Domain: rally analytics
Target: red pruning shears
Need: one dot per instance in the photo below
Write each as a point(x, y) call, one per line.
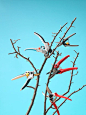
point(60, 71)
point(51, 95)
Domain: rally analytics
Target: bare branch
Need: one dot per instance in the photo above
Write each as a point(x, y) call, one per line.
point(43, 65)
point(75, 51)
point(57, 34)
point(37, 84)
point(34, 95)
point(48, 83)
point(69, 83)
point(11, 53)
point(71, 75)
point(69, 36)
point(69, 96)
point(59, 44)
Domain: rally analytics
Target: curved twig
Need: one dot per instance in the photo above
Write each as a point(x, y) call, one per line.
point(31, 87)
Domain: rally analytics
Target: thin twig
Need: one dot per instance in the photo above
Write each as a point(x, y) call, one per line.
point(31, 87)
point(69, 36)
point(75, 74)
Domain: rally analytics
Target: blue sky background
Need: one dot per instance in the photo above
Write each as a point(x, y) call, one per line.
point(19, 19)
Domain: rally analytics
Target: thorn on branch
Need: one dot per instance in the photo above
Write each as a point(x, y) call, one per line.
point(76, 73)
point(53, 33)
point(73, 26)
point(74, 57)
point(71, 61)
point(16, 56)
point(18, 49)
point(54, 56)
point(60, 37)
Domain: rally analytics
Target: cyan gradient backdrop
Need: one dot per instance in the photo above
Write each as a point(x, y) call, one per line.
point(19, 19)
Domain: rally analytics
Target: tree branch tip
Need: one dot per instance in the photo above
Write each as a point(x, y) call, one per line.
point(28, 58)
point(71, 61)
point(75, 52)
point(18, 47)
point(53, 33)
point(60, 37)
point(54, 56)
